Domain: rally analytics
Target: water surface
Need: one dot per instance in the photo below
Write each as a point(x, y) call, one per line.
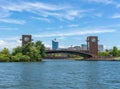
point(60, 74)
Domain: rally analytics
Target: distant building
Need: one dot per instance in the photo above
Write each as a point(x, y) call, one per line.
point(71, 48)
point(77, 48)
point(84, 47)
point(55, 44)
point(100, 48)
point(48, 48)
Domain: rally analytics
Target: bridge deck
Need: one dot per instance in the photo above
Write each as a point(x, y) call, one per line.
point(81, 52)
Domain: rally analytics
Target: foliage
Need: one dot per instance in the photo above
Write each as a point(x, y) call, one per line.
point(108, 53)
point(14, 59)
point(104, 54)
point(41, 47)
point(115, 51)
point(20, 57)
point(4, 58)
point(6, 52)
point(29, 52)
point(17, 50)
point(5, 55)
point(24, 58)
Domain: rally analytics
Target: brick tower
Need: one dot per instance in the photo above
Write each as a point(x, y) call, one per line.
point(92, 45)
point(26, 39)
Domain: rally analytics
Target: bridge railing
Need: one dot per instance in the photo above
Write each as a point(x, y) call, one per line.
point(69, 50)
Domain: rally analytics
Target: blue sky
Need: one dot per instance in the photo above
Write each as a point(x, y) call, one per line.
point(70, 21)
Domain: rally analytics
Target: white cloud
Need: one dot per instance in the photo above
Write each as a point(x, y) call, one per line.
point(66, 14)
point(72, 14)
point(11, 39)
point(4, 13)
point(60, 12)
point(115, 3)
point(9, 45)
point(61, 38)
point(1, 42)
point(43, 6)
point(47, 45)
point(73, 25)
point(15, 21)
point(116, 16)
point(110, 26)
point(31, 6)
point(74, 32)
point(41, 18)
point(102, 1)
point(50, 46)
point(98, 15)
point(111, 47)
point(107, 47)
point(8, 29)
point(118, 5)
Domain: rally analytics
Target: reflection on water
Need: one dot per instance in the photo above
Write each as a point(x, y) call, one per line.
point(93, 76)
point(60, 74)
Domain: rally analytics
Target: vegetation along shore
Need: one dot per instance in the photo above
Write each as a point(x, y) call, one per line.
point(31, 52)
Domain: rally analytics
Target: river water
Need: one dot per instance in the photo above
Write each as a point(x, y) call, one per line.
point(60, 74)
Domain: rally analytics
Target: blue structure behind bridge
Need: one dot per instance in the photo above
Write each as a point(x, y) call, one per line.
point(55, 44)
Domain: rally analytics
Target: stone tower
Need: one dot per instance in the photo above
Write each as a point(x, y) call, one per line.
point(92, 45)
point(26, 39)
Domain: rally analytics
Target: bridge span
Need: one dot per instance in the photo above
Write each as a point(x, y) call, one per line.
point(84, 54)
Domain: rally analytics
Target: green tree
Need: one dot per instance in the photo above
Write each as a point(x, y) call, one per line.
point(115, 51)
point(17, 50)
point(42, 50)
point(29, 52)
point(6, 52)
point(101, 54)
point(24, 58)
point(104, 54)
point(4, 58)
point(41, 47)
point(27, 48)
point(119, 53)
point(5, 55)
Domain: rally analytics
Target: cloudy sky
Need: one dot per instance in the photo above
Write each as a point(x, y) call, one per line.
point(70, 21)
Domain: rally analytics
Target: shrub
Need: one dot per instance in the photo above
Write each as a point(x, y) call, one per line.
point(24, 58)
point(15, 59)
point(4, 58)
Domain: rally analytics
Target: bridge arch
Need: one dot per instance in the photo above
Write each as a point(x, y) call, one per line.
point(81, 53)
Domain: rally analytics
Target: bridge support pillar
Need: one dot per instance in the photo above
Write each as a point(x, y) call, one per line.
point(92, 45)
point(25, 39)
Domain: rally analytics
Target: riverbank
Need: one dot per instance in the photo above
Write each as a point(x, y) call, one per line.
point(101, 59)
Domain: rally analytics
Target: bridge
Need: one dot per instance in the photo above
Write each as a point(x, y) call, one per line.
point(84, 54)
point(91, 52)
point(92, 47)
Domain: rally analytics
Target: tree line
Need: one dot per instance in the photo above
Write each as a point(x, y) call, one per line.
point(110, 53)
point(33, 51)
